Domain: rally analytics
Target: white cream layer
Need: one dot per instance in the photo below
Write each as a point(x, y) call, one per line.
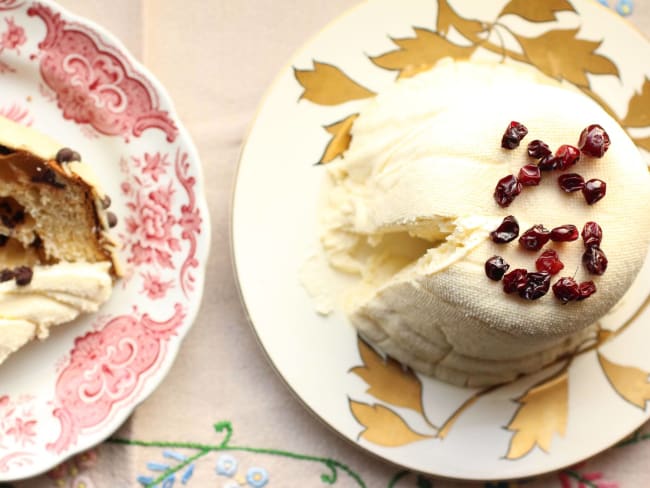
point(57, 294)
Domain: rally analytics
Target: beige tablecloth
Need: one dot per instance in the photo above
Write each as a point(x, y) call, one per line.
point(216, 58)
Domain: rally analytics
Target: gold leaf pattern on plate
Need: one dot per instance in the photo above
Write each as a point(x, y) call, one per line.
point(536, 11)
point(638, 111)
point(572, 62)
point(419, 53)
point(383, 426)
point(340, 138)
point(643, 142)
point(328, 85)
point(629, 382)
point(388, 381)
point(542, 412)
point(447, 17)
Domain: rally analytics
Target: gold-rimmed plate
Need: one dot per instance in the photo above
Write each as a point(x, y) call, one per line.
point(540, 423)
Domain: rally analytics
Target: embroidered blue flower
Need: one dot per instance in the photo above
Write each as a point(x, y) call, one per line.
point(257, 477)
point(604, 2)
point(226, 465)
point(624, 7)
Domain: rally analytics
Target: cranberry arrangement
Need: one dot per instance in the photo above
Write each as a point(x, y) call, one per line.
point(593, 142)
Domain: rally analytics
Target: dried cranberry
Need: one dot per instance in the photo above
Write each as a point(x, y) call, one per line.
point(586, 289)
point(566, 156)
point(507, 231)
point(6, 275)
point(513, 135)
point(594, 141)
point(530, 175)
point(566, 289)
point(515, 280)
point(564, 233)
point(595, 260)
point(548, 163)
point(506, 190)
point(550, 262)
point(594, 190)
point(23, 275)
point(496, 267)
point(537, 285)
point(571, 182)
point(538, 149)
point(535, 238)
point(592, 234)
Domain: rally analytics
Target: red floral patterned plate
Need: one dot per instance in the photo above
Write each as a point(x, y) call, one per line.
point(71, 79)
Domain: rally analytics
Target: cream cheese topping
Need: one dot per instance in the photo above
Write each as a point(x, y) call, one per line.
point(409, 209)
point(57, 294)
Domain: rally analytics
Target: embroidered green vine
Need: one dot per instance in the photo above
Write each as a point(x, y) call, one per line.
point(635, 438)
point(576, 476)
point(203, 449)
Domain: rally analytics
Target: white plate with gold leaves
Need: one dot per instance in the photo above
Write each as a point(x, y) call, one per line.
point(537, 424)
point(72, 80)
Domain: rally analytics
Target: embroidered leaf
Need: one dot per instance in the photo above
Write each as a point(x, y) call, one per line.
point(561, 55)
point(536, 11)
point(388, 381)
point(638, 110)
point(383, 426)
point(419, 53)
point(328, 85)
point(542, 413)
point(643, 142)
point(340, 138)
point(629, 382)
point(447, 17)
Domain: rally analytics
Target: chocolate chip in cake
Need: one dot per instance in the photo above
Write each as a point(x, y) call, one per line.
point(106, 202)
point(6, 275)
point(112, 219)
point(23, 275)
point(66, 155)
point(4, 150)
point(18, 217)
point(3, 240)
point(37, 243)
point(47, 176)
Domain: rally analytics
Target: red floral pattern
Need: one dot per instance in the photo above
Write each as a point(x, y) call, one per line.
point(10, 4)
point(95, 85)
point(105, 368)
point(17, 422)
point(109, 367)
point(13, 37)
point(156, 225)
point(17, 113)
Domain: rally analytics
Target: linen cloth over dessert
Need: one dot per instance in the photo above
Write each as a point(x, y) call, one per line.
point(409, 208)
point(57, 259)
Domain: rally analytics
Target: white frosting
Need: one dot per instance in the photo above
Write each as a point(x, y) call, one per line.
point(57, 294)
point(410, 208)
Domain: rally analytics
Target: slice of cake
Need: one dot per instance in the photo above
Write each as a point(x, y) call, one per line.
point(57, 259)
point(412, 205)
